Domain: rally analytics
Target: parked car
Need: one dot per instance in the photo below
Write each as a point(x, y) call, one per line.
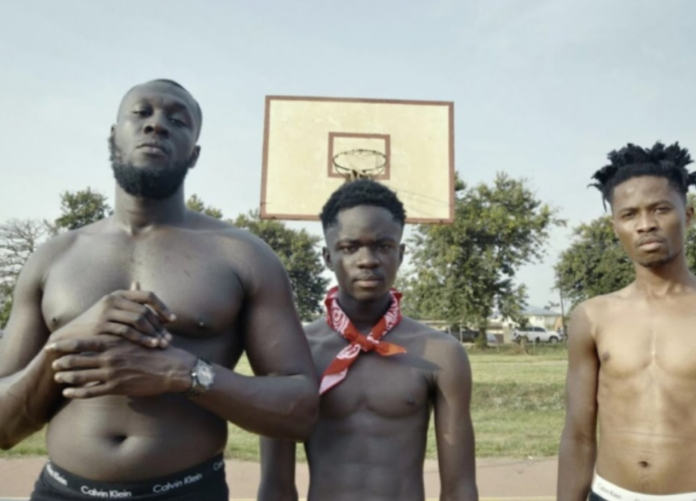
point(536, 334)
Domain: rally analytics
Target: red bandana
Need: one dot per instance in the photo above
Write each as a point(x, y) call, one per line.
point(339, 321)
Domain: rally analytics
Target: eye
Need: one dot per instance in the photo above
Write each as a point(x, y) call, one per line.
point(349, 249)
point(179, 123)
point(142, 112)
point(662, 209)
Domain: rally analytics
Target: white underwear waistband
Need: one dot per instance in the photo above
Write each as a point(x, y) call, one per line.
point(613, 492)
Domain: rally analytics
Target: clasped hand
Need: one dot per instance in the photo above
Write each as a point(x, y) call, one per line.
point(119, 347)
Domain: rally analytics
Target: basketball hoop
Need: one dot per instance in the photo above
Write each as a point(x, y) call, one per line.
point(360, 164)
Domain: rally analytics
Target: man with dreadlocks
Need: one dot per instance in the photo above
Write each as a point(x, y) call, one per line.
point(381, 374)
point(632, 353)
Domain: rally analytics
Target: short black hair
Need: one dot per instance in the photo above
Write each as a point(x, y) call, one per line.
point(181, 87)
point(632, 161)
point(361, 192)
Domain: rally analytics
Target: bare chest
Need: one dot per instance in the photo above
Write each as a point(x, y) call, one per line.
point(188, 275)
point(397, 386)
point(657, 341)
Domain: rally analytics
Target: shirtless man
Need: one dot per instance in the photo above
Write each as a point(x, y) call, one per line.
point(370, 439)
point(124, 334)
point(632, 353)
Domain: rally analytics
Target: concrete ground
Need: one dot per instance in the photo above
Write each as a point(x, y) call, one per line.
point(497, 479)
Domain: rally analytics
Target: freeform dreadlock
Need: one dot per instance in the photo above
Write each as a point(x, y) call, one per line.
point(361, 192)
point(633, 161)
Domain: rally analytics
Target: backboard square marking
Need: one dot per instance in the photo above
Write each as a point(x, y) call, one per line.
point(344, 141)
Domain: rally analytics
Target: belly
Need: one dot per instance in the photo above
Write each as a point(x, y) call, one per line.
point(647, 435)
point(366, 456)
point(121, 439)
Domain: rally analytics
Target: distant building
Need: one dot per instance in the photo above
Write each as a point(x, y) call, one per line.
point(538, 317)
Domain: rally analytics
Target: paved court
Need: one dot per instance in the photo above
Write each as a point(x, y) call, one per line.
point(498, 479)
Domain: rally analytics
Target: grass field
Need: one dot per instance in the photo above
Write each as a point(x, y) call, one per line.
point(517, 407)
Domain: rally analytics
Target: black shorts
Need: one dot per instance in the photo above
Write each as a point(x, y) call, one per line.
point(205, 482)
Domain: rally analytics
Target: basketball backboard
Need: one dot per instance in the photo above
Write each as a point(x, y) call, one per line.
point(312, 144)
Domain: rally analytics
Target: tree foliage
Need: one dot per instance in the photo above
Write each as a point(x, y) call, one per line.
point(196, 204)
point(298, 251)
point(463, 271)
point(81, 208)
point(595, 264)
point(19, 238)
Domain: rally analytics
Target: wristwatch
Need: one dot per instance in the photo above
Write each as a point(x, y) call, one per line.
point(202, 378)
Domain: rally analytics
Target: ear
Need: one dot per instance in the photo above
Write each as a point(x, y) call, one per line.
point(327, 258)
point(112, 132)
point(613, 225)
point(194, 156)
point(402, 251)
point(689, 215)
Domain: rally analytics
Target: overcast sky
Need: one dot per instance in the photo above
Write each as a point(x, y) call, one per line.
point(542, 89)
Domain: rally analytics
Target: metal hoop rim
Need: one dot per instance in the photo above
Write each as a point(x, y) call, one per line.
point(361, 150)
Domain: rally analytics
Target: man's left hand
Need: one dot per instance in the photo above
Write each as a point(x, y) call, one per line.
point(109, 365)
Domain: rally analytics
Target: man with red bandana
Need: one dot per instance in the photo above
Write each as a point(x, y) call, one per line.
point(381, 374)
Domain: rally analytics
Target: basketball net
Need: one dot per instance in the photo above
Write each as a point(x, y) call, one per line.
point(359, 164)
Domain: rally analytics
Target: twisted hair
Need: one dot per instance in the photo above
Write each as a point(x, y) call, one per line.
point(632, 161)
point(361, 192)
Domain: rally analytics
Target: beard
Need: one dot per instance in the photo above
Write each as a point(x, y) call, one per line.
point(154, 183)
point(657, 261)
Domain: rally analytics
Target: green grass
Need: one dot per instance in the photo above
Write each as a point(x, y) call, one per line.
point(517, 406)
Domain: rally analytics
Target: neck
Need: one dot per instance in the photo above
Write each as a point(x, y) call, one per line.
point(364, 314)
point(666, 279)
point(139, 214)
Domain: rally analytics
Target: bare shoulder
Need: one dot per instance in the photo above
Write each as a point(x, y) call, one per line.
point(316, 329)
point(438, 346)
point(321, 338)
point(40, 261)
point(587, 316)
point(253, 259)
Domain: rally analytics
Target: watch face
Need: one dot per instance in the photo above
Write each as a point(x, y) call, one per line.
point(205, 374)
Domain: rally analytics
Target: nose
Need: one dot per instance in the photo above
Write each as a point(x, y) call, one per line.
point(367, 258)
point(157, 124)
point(646, 222)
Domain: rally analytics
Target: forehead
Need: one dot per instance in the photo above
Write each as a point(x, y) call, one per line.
point(643, 191)
point(159, 93)
point(365, 222)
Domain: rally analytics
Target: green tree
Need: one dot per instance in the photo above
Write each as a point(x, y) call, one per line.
point(196, 204)
point(298, 251)
point(595, 263)
point(81, 208)
point(19, 238)
point(463, 271)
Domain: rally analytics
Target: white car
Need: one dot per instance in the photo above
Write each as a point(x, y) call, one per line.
point(536, 334)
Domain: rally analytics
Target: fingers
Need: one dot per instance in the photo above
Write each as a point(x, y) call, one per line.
point(140, 318)
point(150, 299)
point(127, 332)
point(94, 344)
point(81, 377)
point(82, 361)
point(96, 390)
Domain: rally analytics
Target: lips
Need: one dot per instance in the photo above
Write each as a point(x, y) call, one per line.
point(153, 147)
point(369, 282)
point(651, 242)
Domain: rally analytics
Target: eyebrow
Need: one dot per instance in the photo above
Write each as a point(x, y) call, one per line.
point(653, 204)
point(169, 104)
